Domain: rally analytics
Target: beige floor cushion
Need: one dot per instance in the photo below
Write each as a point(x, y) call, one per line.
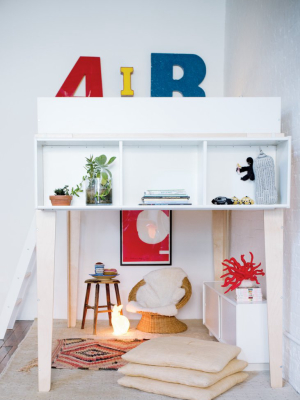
point(183, 352)
point(182, 391)
point(183, 376)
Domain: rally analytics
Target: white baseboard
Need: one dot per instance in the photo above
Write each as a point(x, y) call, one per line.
point(258, 367)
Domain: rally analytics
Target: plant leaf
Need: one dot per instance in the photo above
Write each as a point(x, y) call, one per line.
point(101, 160)
point(104, 177)
point(111, 160)
point(108, 171)
point(105, 193)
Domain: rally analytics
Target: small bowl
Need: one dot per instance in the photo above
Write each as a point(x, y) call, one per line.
point(104, 277)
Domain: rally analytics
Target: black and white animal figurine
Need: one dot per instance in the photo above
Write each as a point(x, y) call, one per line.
point(250, 174)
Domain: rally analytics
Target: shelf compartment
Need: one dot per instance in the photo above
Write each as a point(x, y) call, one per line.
point(162, 167)
point(223, 156)
point(60, 164)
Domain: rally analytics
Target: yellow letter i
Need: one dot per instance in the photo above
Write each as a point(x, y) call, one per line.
point(126, 72)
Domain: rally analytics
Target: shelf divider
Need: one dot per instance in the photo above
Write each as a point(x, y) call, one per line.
point(204, 168)
point(121, 171)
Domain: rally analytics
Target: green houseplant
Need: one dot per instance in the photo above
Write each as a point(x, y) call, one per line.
point(98, 180)
point(62, 196)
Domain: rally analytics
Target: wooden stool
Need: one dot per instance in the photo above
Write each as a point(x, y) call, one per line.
point(96, 306)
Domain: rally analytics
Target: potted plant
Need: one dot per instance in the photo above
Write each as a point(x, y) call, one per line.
point(98, 180)
point(62, 196)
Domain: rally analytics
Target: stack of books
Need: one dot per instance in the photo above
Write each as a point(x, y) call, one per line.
point(244, 294)
point(165, 197)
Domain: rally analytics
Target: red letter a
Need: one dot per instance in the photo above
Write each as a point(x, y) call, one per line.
point(88, 67)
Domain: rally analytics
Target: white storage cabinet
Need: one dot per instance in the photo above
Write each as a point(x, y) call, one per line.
point(240, 324)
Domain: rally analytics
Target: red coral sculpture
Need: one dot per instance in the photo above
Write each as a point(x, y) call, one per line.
point(237, 272)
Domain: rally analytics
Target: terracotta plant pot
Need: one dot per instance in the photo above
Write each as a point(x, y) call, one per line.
point(61, 200)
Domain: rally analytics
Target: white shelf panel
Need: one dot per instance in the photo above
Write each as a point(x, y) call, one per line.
point(137, 207)
point(205, 167)
point(80, 208)
point(162, 142)
point(230, 296)
point(246, 141)
point(72, 140)
point(140, 116)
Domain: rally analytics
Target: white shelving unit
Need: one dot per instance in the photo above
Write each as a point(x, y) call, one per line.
point(204, 167)
point(240, 324)
point(160, 143)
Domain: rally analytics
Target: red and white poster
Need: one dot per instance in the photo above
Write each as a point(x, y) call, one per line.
point(146, 237)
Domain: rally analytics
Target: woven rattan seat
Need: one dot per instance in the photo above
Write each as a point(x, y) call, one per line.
point(156, 323)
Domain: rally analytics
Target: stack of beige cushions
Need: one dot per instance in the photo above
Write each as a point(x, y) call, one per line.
point(183, 367)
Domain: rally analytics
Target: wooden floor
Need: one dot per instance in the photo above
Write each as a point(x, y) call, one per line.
point(11, 341)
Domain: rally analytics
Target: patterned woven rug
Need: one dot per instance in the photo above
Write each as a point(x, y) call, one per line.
point(89, 354)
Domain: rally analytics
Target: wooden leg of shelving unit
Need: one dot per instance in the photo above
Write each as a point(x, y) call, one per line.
point(74, 245)
point(273, 220)
point(221, 236)
point(45, 252)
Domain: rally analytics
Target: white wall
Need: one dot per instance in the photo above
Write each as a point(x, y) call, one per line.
point(40, 42)
point(262, 58)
